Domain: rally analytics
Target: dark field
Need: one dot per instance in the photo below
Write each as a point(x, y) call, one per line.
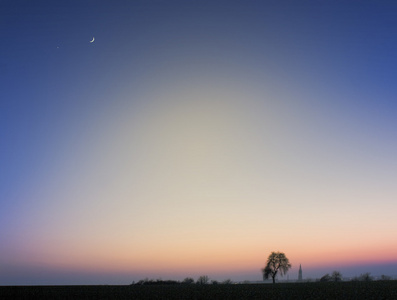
point(314, 290)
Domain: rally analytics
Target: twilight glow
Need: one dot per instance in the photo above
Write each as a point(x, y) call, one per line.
point(195, 137)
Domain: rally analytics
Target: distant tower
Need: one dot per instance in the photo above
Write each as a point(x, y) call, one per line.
point(300, 273)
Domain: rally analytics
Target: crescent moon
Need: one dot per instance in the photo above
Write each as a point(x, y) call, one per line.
point(93, 39)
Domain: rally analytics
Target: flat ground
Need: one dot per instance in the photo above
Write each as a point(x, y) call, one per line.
point(310, 290)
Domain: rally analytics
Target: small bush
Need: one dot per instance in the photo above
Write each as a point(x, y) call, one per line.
point(188, 280)
point(325, 278)
point(227, 281)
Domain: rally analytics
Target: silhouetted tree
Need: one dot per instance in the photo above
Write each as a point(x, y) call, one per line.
point(336, 276)
point(363, 277)
point(385, 277)
point(203, 280)
point(276, 263)
point(366, 277)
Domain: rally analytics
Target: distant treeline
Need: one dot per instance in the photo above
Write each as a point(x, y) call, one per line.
point(201, 280)
point(337, 276)
point(156, 282)
point(334, 277)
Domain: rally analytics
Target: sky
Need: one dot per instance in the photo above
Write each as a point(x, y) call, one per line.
point(196, 137)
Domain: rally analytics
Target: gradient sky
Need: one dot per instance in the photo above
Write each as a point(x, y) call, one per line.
point(195, 137)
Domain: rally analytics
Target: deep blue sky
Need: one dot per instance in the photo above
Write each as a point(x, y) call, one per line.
point(243, 106)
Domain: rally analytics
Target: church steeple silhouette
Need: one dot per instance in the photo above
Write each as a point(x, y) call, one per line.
point(300, 273)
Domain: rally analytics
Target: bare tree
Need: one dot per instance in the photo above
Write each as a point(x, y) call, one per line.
point(203, 280)
point(363, 277)
point(366, 277)
point(276, 263)
point(336, 276)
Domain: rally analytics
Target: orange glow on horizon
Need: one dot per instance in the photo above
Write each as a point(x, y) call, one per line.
point(224, 256)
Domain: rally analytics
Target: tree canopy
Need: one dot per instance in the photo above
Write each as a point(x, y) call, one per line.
point(276, 263)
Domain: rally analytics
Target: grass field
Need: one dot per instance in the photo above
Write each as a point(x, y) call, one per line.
point(310, 290)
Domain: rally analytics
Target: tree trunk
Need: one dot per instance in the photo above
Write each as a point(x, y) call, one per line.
point(274, 279)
